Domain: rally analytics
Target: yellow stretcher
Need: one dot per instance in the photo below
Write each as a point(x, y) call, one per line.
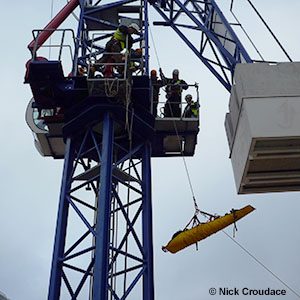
point(203, 230)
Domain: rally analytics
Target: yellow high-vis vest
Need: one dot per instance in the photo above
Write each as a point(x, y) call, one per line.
point(121, 37)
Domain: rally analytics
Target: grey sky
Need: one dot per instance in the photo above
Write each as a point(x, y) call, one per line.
point(30, 183)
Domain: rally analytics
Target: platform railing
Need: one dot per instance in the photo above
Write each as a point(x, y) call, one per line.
point(109, 75)
point(164, 101)
point(61, 39)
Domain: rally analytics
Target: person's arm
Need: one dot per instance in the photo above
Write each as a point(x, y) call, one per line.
point(164, 80)
point(185, 111)
point(184, 85)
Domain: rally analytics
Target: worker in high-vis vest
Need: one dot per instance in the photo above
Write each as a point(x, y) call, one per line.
point(174, 87)
point(118, 40)
point(192, 108)
point(116, 45)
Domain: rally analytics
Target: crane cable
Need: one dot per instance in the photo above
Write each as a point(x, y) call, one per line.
point(261, 264)
point(197, 210)
point(176, 130)
point(245, 32)
point(184, 161)
point(194, 222)
point(268, 28)
point(154, 47)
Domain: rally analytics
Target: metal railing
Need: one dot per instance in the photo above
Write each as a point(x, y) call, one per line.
point(175, 109)
point(110, 74)
point(59, 45)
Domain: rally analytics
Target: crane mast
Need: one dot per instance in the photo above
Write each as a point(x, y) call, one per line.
point(107, 143)
point(103, 241)
point(104, 129)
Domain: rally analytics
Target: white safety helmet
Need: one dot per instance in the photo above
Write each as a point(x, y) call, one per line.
point(188, 97)
point(176, 72)
point(135, 27)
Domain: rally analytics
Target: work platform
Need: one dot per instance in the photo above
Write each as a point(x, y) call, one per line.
point(64, 105)
point(263, 127)
point(49, 141)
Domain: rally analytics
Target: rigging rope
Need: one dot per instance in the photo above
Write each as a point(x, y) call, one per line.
point(186, 169)
point(195, 219)
point(268, 28)
point(245, 32)
point(178, 138)
point(197, 211)
point(130, 166)
point(154, 47)
point(261, 264)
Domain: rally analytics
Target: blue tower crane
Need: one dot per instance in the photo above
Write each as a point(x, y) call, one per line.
point(104, 130)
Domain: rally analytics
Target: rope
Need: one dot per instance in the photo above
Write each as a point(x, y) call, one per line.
point(130, 164)
point(270, 30)
point(195, 219)
point(186, 168)
point(128, 126)
point(197, 210)
point(109, 87)
point(127, 227)
point(245, 32)
point(154, 47)
point(261, 264)
point(234, 222)
point(114, 234)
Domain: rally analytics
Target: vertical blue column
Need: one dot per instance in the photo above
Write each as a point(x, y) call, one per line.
point(148, 280)
point(61, 224)
point(100, 280)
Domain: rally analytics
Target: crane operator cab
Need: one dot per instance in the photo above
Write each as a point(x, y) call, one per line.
point(111, 71)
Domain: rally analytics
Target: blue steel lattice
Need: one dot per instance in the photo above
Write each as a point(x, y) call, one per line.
point(115, 240)
point(219, 48)
point(103, 243)
point(104, 17)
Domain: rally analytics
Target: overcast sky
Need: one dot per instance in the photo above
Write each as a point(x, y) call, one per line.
point(30, 183)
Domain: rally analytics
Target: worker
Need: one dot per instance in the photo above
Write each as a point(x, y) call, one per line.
point(135, 60)
point(156, 85)
point(117, 44)
point(192, 108)
point(174, 90)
